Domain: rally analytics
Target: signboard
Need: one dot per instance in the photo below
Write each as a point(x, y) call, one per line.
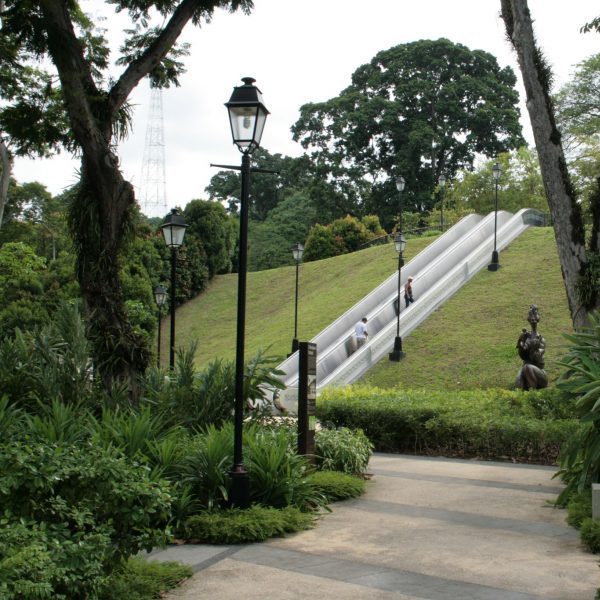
point(307, 398)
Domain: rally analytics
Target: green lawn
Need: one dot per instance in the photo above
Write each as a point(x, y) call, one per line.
point(468, 343)
point(327, 289)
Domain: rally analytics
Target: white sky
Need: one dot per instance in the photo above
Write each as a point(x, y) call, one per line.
point(303, 51)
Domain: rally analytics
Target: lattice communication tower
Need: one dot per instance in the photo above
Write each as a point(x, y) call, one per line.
point(153, 193)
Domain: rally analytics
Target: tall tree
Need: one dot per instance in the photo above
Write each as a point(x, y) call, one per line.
point(417, 109)
point(101, 214)
point(566, 211)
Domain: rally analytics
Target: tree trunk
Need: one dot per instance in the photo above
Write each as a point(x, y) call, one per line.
point(566, 212)
point(101, 216)
point(6, 163)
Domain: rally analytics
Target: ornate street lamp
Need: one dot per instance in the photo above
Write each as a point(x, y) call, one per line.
point(495, 265)
point(247, 116)
point(400, 244)
point(174, 230)
point(442, 184)
point(297, 252)
point(160, 296)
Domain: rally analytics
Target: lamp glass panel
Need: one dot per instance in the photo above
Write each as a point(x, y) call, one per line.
point(400, 243)
point(261, 118)
point(297, 252)
point(160, 295)
point(243, 121)
point(400, 183)
point(173, 235)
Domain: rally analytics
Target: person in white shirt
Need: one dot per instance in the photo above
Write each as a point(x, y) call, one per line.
point(361, 332)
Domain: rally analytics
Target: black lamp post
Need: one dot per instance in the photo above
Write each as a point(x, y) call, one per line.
point(160, 296)
point(442, 184)
point(397, 353)
point(247, 116)
point(297, 252)
point(400, 244)
point(495, 265)
point(173, 229)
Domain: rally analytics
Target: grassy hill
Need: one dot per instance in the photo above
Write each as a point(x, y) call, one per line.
point(469, 342)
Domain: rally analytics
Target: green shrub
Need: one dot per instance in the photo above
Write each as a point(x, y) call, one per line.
point(337, 486)
point(78, 511)
point(580, 460)
point(129, 430)
point(254, 524)
point(373, 226)
point(278, 476)
point(579, 508)
point(138, 579)
point(206, 466)
point(320, 243)
point(27, 566)
point(194, 399)
point(590, 534)
point(342, 450)
point(489, 424)
point(349, 233)
point(48, 364)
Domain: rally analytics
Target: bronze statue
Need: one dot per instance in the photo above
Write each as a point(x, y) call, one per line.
point(531, 346)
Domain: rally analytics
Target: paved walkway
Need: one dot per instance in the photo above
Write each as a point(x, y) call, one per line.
point(427, 529)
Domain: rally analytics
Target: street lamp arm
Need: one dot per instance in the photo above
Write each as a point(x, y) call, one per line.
point(232, 167)
point(252, 169)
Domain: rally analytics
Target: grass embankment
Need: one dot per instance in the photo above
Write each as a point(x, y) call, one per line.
point(468, 343)
point(327, 287)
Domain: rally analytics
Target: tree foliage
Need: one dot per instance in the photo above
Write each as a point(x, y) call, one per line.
point(520, 185)
point(419, 109)
point(341, 236)
point(94, 103)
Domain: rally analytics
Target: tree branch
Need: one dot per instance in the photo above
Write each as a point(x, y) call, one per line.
point(153, 55)
point(75, 76)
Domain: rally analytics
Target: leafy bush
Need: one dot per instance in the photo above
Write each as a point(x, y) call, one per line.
point(579, 508)
point(196, 399)
point(337, 486)
point(349, 233)
point(129, 430)
point(590, 534)
point(27, 566)
point(490, 424)
point(138, 579)
point(580, 460)
point(343, 235)
point(206, 466)
point(342, 450)
point(320, 243)
point(278, 476)
point(373, 226)
point(254, 524)
point(75, 512)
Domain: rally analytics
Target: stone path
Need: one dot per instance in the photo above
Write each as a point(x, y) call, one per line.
point(427, 529)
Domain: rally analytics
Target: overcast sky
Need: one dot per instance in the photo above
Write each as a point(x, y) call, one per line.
point(303, 51)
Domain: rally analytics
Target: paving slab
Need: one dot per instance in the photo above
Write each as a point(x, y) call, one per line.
point(427, 529)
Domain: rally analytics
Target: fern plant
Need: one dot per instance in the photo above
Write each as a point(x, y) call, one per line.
point(580, 459)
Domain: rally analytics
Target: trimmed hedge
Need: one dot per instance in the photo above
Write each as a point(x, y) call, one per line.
point(489, 424)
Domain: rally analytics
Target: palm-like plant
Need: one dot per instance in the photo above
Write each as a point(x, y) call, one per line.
point(580, 459)
point(206, 465)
